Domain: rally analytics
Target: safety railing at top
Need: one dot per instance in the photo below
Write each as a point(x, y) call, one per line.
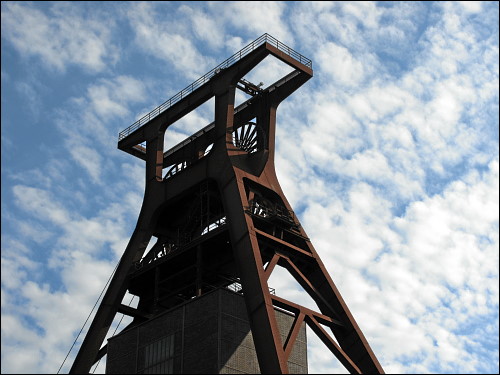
point(265, 38)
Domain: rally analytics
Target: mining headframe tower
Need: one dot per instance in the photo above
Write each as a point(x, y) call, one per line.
point(220, 224)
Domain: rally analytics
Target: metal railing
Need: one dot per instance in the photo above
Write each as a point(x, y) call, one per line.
point(265, 38)
point(238, 288)
point(268, 210)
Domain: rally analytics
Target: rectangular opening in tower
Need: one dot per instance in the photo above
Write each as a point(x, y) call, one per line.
point(265, 74)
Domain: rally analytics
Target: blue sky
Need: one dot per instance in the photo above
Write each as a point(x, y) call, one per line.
point(389, 156)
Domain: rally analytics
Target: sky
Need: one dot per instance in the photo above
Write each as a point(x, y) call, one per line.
point(389, 156)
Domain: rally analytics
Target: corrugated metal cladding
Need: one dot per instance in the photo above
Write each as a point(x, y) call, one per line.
point(208, 335)
point(159, 356)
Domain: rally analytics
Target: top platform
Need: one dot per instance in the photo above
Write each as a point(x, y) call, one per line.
point(265, 38)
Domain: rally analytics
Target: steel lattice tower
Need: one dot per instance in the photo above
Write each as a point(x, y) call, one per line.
point(214, 204)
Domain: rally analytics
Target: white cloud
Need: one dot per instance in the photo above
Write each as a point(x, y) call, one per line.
point(343, 67)
point(471, 6)
point(160, 39)
point(87, 126)
point(13, 359)
point(102, 103)
point(26, 296)
point(25, 177)
point(39, 203)
point(111, 98)
point(414, 123)
point(16, 263)
point(257, 17)
point(59, 39)
point(89, 159)
point(364, 12)
point(432, 248)
point(380, 101)
point(32, 230)
point(446, 231)
point(205, 26)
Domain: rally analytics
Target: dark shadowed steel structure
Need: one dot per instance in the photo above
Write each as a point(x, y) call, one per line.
point(218, 215)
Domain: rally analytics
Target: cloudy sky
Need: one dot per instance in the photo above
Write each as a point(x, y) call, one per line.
point(389, 156)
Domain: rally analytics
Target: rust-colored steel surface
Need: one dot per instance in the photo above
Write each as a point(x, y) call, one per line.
point(219, 216)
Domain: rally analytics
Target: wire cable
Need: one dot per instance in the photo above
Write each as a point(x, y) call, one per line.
point(116, 329)
point(88, 317)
